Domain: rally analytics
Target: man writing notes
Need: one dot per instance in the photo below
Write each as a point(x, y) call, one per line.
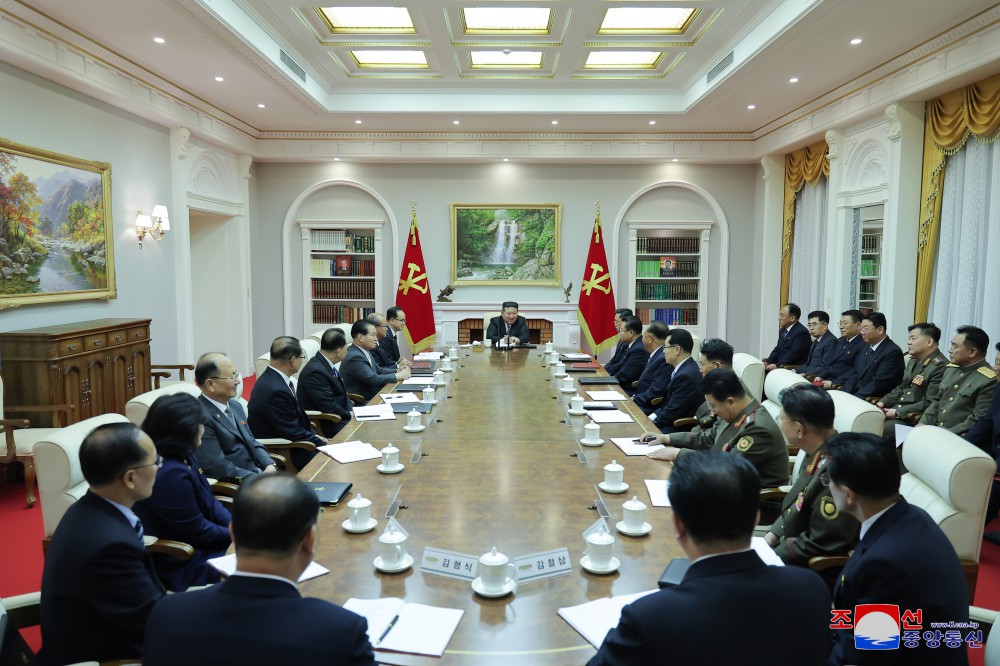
point(793, 340)
point(714, 498)
point(633, 361)
point(361, 373)
point(509, 328)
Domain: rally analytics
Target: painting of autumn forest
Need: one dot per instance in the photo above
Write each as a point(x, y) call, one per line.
point(53, 238)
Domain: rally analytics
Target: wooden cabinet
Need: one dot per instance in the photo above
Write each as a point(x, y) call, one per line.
point(97, 366)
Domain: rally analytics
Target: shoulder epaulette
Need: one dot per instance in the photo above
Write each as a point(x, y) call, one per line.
point(988, 373)
point(937, 360)
point(952, 365)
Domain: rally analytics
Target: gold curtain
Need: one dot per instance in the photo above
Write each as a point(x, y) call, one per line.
point(949, 121)
point(802, 166)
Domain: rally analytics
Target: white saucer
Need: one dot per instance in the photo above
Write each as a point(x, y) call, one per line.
point(582, 412)
point(395, 470)
point(347, 525)
point(611, 568)
point(559, 374)
point(509, 586)
point(432, 402)
point(451, 369)
point(419, 428)
point(614, 491)
point(566, 390)
point(589, 443)
point(403, 564)
point(645, 529)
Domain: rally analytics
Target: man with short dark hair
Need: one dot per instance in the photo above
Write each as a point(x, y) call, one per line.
point(620, 346)
point(809, 523)
point(879, 367)
point(99, 585)
point(396, 319)
point(714, 500)
point(320, 386)
point(632, 362)
point(257, 616)
point(683, 395)
point(714, 354)
point(360, 371)
point(380, 354)
point(509, 327)
point(840, 363)
point(793, 340)
point(823, 343)
point(921, 378)
point(986, 435)
point(652, 383)
point(967, 384)
point(903, 558)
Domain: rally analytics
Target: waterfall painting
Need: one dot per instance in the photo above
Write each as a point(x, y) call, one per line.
point(56, 239)
point(505, 244)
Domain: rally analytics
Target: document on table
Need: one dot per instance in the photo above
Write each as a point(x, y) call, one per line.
point(657, 489)
point(606, 395)
point(765, 552)
point(902, 432)
point(630, 448)
point(594, 619)
point(348, 452)
point(390, 398)
point(415, 383)
point(381, 412)
point(429, 356)
point(412, 628)
point(573, 356)
point(609, 416)
point(226, 565)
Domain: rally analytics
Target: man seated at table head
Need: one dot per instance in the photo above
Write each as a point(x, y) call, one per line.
point(396, 319)
point(99, 585)
point(360, 371)
point(792, 347)
point(320, 385)
point(509, 328)
point(683, 394)
point(257, 616)
point(822, 345)
point(714, 498)
point(879, 365)
point(903, 558)
point(652, 383)
point(228, 449)
point(632, 362)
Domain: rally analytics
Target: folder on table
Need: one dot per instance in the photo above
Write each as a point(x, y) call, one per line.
point(329, 492)
point(597, 380)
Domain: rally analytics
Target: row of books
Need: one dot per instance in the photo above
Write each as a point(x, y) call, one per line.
point(869, 268)
point(869, 243)
point(343, 265)
point(339, 239)
point(666, 267)
point(362, 289)
point(682, 245)
point(338, 314)
point(669, 316)
point(666, 292)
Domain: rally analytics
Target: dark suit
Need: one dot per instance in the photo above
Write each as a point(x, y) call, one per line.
point(682, 397)
point(360, 377)
point(322, 389)
point(98, 587)
point(903, 559)
point(183, 508)
point(653, 381)
point(616, 358)
point(793, 346)
point(229, 451)
point(246, 620)
point(840, 362)
point(986, 435)
point(876, 373)
point(498, 329)
point(682, 624)
point(390, 346)
point(820, 351)
point(274, 411)
point(381, 356)
point(632, 364)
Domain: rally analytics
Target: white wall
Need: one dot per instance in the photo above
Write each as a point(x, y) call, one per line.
point(45, 115)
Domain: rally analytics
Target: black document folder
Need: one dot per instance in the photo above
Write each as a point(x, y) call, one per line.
point(330, 492)
point(591, 381)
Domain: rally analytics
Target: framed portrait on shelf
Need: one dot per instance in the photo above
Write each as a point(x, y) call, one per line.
point(56, 240)
point(507, 244)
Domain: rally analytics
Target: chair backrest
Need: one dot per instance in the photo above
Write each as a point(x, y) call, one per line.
point(696, 348)
point(751, 371)
point(346, 328)
point(310, 347)
point(852, 414)
point(777, 381)
point(137, 408)
point(57, 461)
point(950, 479)
point(486, 321)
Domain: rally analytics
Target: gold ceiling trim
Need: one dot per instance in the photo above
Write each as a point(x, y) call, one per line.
point(656, 31)
point(503, 45)
point(362, 31)
point(395, 75)
point(513, 76)
point(595, 74)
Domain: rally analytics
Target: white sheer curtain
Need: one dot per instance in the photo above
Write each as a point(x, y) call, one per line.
point(967, 267)
point(806, 282)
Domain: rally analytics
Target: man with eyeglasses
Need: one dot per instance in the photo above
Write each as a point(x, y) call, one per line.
point(380, 353)
point(228, 449)
point(793, 340)
point(360, 370)
point(396, 320)
point(823, 343)
point(99, 585)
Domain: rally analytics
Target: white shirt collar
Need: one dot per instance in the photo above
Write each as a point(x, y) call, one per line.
point(868, 522)
point(728, 552)
point(266, 576)
point(127, 512)
point(283, 375)
point(875, 346)
point(221, 407)
point(328, 361)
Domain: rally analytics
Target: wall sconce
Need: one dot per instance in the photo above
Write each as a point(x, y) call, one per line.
point(154, 225)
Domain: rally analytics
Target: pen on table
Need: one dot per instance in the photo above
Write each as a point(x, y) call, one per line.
point(385, 633)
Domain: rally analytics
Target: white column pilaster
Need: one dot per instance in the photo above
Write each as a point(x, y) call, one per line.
point(767, 249)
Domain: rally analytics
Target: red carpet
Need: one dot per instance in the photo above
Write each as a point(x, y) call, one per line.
point(22, 549)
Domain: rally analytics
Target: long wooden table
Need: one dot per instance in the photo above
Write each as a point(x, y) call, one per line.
point(498, 470)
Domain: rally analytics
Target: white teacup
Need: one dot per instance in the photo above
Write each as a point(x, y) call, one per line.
point(439, 376)
point(614, 474)
point(560, 369)
point(549, 348)
point(494, 570)
point(591, 432)
point(413, 418)
point(428, 394)
point(553, 358)
point(392, 543)
point(361, 511)
point(634, 514)
point(446, 364)
point(567, 383)
point(390, 457)
point(576, 404)
point(600, 546)
point(453, 353)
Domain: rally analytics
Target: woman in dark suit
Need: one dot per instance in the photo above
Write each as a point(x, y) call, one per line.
point(182, 506)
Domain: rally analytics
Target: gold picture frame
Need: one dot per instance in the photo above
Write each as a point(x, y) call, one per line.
point(505, 244)
point(56, 231)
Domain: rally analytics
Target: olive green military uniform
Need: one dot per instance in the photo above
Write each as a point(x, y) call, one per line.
point(963, 397)
point(810, 523)
point(706, 421)
point(921, 379)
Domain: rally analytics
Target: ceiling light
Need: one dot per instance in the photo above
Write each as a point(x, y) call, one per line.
point(456, 122)
point(555, 122)
point(219, 79)
point(506, 20)
point(652, 122)
point(357, 122)
point(406, 59)
point(674, 160)
point(794, 79)
point(368, 19)
point(506, 159)
point(642, 20)
point(336, 159)
point(855, 41)
point(159, 40)
point(751, 107)
point(506, 58)
point(260, 106)
point(623, 59)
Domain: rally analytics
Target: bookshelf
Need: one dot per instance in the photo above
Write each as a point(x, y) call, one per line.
point(870, 268)
point(341, 272)
point(667, 276)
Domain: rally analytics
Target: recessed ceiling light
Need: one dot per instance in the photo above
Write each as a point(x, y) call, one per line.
point(357, 122)
point(652, 122)
point(456, 122)
point(674, 160)
point(506, 159)
point(336, 159)
point(855, 41)
point(219, 79)
point(159, 40)
point(794, 79)
point(751, 107)
point(555, 122)
point(260, 106)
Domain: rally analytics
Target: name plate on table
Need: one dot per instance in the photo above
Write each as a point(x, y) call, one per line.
point(449, 564)
point(539, 566)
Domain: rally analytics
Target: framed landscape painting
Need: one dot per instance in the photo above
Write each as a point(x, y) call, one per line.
point(56, 240)
point(505, 244)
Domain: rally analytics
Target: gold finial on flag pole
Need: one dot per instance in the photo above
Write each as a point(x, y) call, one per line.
point(413, 222)
point(597, 222)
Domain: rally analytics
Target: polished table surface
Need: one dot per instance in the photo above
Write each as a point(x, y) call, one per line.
point(498, 470)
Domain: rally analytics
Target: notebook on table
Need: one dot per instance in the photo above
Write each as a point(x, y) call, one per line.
point(598, 380)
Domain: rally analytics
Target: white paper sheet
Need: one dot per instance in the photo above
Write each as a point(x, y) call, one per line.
point(429, 356)
point(609, 416)
point(606, 395)
point(349, 452)
point(419, 629)
point(390, 398)
point(573, 356)
point(227, 566)
point(381, 412)
point(902, 432)
point(416, 383)
point(630, 448)
point(657, 489)
point(594, 619)
point(765, 552)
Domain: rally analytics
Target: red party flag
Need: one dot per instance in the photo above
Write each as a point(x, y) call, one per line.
point(414, 295)
point(596, 311)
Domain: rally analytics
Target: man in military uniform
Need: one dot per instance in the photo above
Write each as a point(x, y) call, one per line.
point(922, 378)
point(810, 523)
point(967, 384)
